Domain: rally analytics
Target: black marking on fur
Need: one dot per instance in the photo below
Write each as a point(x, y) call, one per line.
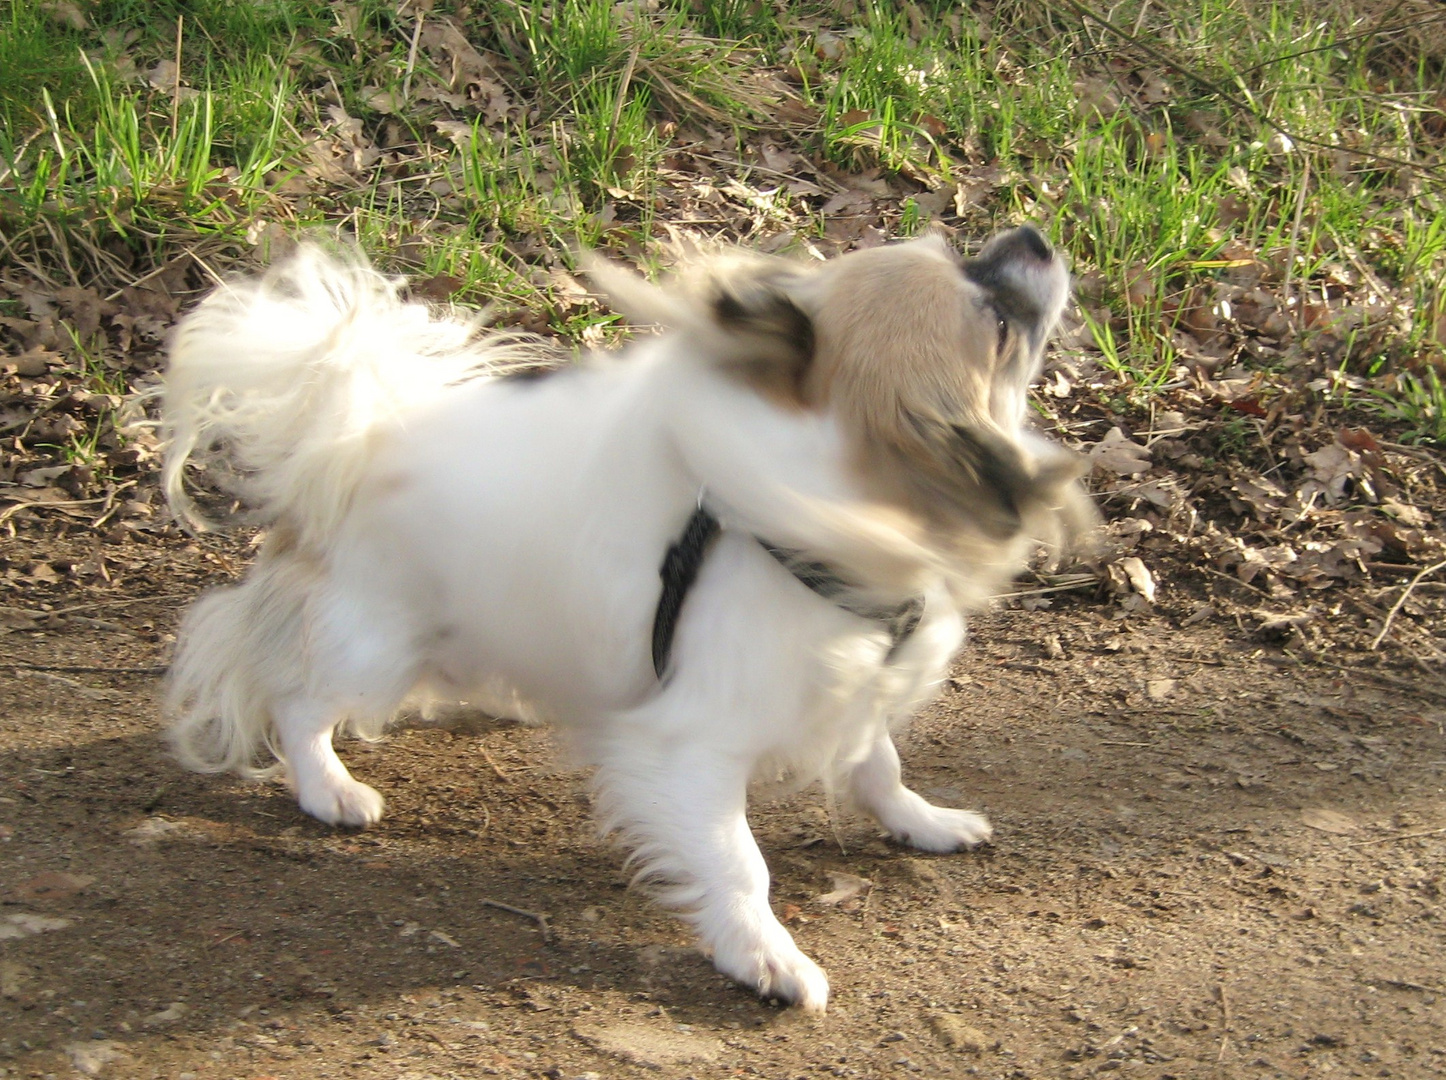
point(532, 373)
point(766, 310)
point(679, 570)
point(997, 468)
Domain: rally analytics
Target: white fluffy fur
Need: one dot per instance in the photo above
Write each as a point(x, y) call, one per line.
point(436, 528)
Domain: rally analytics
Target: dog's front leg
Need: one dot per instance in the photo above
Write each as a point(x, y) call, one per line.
point(682, 808)
point(877, 787)
point(322, 784)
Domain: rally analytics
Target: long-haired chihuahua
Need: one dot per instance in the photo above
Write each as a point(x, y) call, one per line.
point(740, 548)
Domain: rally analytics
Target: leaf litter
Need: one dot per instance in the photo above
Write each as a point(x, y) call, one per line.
point(1255, 474)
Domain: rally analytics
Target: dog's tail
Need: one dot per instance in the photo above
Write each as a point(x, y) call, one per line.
point(278, 384)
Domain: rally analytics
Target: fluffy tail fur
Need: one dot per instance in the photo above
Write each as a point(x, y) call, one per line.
point(277, 382)
point(277, 385)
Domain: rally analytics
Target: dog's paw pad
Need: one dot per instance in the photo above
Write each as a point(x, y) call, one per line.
point(940, 829)
point(354, 804)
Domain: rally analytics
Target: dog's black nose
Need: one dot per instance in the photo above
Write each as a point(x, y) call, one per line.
point(1025, 243)
point(1029, 238)
point(1022, 271)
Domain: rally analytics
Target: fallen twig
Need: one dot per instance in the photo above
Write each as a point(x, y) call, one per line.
point(1404, 984)
point(15, 508)
point(536, 916)
point(1224, 1023)
point(1065, 583)
point(1399, 836)
point(82, 669)
point(93, 605)
point(1405, 593)
point(487, 757)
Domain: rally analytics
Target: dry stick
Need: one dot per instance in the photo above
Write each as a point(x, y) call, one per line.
point(80, 669)
point(109, 603)
point(487, 757)
point(1405, 594)
point(1235, 100)
point(1403, 984)
point(536, 916)
point(176, 85)
point(1401, 836)
point(412, 58)
point(1083, 581)
point(110, 506)
point(1225, 1023)
point(1298, 316)
point(15, 508)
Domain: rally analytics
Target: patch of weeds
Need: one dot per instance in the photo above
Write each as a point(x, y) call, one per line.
point(876, 99)
point(39, 45)
point(1419, 402)
point(611, 144)
point(129, 169)
point(1233, 437)
point(912, 219)
point(733, 20)
point(564, 46)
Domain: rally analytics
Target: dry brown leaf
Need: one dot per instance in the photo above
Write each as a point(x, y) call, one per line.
point(65, 13)
point(845, 887)
point(1117, 453)
point(1330, 821)
point(1332, 470)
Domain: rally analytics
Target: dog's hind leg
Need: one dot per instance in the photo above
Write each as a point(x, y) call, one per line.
point(361, 661)
point(877, 787)
point(682, 808)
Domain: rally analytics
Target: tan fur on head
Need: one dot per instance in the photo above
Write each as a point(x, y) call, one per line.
point(925, 358)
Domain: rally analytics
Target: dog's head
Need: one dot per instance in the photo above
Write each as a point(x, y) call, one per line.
point(924, 357)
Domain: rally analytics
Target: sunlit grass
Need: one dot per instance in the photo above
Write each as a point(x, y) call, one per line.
point(1158, 181)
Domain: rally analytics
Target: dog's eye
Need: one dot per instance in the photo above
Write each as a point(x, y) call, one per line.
point(1001, 326)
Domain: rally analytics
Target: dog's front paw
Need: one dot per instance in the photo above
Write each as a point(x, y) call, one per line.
point(777, 970)
point(936, 828)
point(343, 802)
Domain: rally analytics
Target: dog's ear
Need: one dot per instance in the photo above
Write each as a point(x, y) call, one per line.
point(740, 312)
point(768, 340)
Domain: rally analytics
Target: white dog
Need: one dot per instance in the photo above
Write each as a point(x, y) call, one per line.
point(745, 547)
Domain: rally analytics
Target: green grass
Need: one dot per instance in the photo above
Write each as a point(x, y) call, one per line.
point(300, 114)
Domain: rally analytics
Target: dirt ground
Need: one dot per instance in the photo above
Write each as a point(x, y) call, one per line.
point(1214, 857)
